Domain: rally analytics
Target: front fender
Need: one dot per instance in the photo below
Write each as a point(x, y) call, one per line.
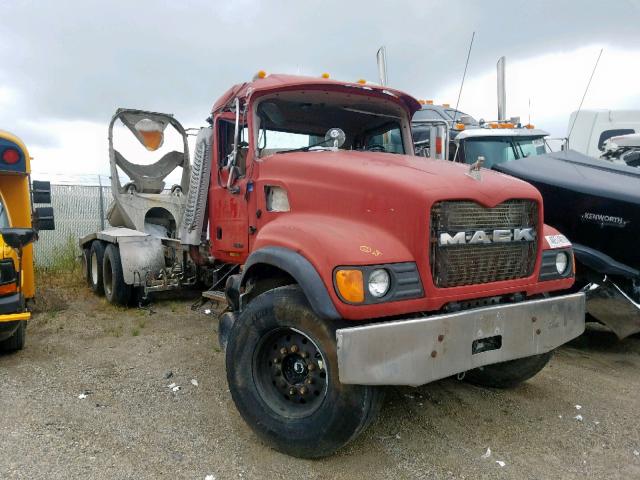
point(302, 271)
point(330, 241)
point(601, 263)
point(327, 242)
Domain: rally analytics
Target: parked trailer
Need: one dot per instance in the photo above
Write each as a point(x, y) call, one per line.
point(348, 262)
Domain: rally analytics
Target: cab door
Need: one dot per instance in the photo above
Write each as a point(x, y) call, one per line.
point(229, 228)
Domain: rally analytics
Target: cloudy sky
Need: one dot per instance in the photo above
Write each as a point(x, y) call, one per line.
point(67, 65)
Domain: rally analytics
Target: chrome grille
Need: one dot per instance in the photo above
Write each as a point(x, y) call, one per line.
point(458, 265)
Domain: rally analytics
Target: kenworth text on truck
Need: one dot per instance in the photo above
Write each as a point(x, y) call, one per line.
point(18, 224)
point(348, 262)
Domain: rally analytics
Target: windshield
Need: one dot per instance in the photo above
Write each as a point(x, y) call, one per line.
point(299, 120)
point(501, 149)
point(458, 116)
point(429, 114)
point(442, 114)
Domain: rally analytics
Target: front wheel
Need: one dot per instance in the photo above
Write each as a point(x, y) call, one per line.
point(508, 374)
point(282, 370)
point(16, 341)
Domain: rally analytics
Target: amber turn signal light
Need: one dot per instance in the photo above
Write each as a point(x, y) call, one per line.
point(350, 285)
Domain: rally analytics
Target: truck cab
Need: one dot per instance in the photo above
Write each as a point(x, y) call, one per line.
point(588, 130)
point(367, 265)
point(347, 262)
point(497, 144)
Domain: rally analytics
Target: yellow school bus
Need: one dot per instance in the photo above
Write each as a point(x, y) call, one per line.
point(19, 223)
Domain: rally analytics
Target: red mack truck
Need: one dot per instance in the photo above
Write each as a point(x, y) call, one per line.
point(346, 262)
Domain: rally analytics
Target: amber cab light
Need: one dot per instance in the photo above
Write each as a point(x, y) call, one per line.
point(350, 285)
point(11, 156)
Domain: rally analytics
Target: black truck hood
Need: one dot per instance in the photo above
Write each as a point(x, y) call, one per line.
point(580, 173)
point(594, 202)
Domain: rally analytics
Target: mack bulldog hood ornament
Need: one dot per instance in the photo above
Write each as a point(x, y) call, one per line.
point(474, 168)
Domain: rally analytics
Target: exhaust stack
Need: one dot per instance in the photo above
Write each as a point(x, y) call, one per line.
point(502, 93)
point(381, 57)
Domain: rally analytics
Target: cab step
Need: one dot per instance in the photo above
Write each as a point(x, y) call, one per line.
point(215, 296)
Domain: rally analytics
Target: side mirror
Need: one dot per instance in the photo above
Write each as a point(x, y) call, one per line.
point(41, 191)
point(335, 137)
point(43, 219)
point(17, 238)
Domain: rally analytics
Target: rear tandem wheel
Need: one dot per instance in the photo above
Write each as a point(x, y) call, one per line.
point(115, 288)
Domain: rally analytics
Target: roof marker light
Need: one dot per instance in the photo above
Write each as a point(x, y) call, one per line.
point(260, 74)
point(429, 102)
point(325, 75)
point(446, 105)
point(362, 81)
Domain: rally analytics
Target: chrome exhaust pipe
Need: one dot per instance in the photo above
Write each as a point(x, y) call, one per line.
point(502, 92)
point(381, 57)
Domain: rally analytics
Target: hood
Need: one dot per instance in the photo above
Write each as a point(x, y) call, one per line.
point(570, 170)
point(399, 174)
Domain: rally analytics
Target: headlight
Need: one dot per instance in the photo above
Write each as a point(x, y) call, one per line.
point(562, 261)
point(379, 282)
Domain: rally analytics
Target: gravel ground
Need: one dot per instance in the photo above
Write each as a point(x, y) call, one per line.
point(131, 425)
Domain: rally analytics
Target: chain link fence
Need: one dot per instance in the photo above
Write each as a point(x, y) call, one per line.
point(78, 210)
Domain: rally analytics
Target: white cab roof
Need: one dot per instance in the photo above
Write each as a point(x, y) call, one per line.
point(501, 132)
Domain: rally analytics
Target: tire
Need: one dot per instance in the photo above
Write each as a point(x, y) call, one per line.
point(508, 374)
point(96, 258)
point(309, 423)
point(16, 341)
point(115, 290)
point(86, 271)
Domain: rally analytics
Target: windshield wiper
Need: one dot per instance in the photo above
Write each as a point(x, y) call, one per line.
point(305, 149)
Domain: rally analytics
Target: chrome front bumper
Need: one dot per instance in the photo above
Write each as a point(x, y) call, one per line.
point(418, 351)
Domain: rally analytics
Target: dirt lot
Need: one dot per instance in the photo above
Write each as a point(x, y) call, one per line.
point(131, 425)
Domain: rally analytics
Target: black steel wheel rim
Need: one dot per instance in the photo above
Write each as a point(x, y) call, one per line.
point(290, 373)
